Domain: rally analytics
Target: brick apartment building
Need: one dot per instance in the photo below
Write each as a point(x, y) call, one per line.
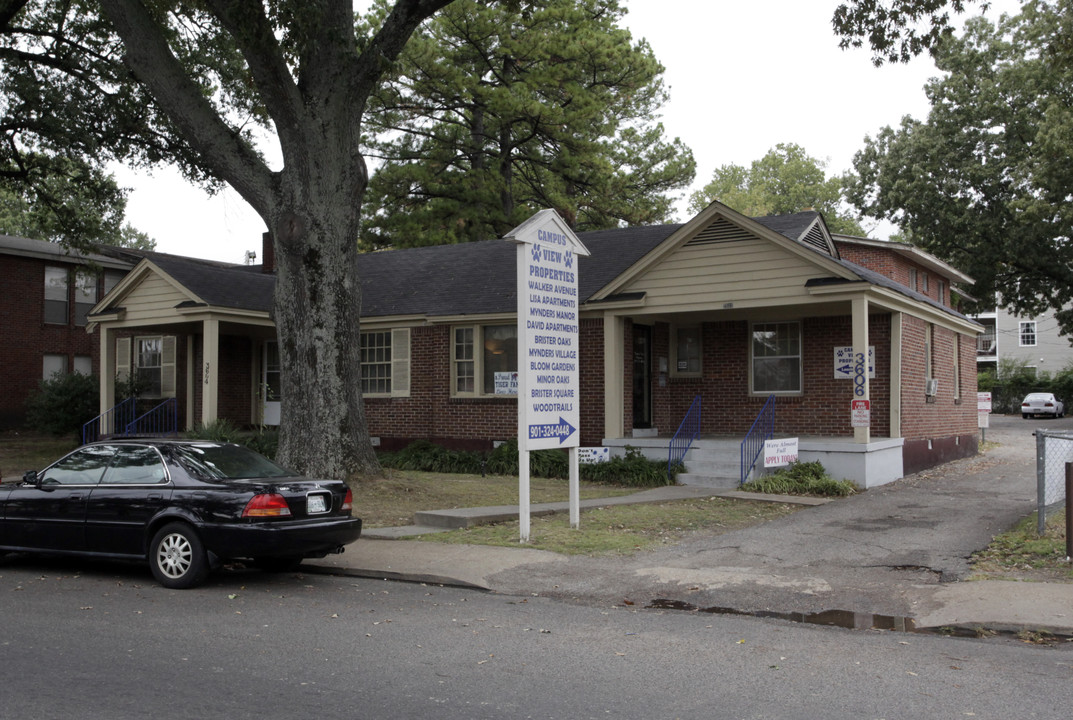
point(48, 293)
point(732, 309)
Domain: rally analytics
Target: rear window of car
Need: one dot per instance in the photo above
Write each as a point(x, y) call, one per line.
point(226, 462)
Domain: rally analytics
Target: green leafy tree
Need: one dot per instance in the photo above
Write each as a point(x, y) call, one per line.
point(786, 180)
point(896, 30)
point(67, 203)
point(496, 110)
point(142, 82)
point(985, 181)
point(191, 84)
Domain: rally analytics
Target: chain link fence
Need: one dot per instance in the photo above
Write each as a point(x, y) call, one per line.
point(1053, 451)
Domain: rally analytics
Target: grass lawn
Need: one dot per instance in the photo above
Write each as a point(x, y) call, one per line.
point(624, 529)
point(20, 452)
point(393, 499)
point(1021, 554)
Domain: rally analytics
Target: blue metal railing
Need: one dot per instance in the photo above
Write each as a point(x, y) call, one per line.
point(753, 445)
point(161, 420)
point(120, 420)
point(110, 421)
point(683, 439)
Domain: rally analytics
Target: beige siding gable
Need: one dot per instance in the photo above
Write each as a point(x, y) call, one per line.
point(744, 270)
point(154, 298)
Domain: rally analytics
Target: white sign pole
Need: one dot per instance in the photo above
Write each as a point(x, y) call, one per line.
point(575, 492)
point(549, 403)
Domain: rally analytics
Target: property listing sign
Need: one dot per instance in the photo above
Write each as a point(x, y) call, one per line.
point(549, 410)
point(845, 363)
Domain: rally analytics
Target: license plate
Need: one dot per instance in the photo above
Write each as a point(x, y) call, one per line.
point(316, 504)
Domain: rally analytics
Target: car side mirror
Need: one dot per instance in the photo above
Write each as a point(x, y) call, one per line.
point(31, 478)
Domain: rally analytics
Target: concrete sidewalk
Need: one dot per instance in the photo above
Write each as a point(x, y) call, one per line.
point(898, 551)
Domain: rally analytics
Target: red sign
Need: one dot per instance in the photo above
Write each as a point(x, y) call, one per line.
point(861, 413)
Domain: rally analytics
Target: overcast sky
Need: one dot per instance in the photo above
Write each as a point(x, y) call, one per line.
point(743, 77)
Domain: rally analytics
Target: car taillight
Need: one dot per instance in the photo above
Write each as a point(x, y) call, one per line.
point(267, 505)
point(1048, 404)
point(348, 501)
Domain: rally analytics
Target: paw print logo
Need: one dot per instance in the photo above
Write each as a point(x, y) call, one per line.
point(570, 258)
point(536, 253)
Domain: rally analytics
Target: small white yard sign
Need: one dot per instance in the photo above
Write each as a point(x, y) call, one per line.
point(779, 452)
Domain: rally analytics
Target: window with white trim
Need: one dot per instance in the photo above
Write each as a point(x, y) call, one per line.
point(83, 364)
point(929, 335)
point(85, 295)
point(376, 363)
point(1026, 333)
point(56, 295)
point(775, 350)
point(53, 365)
point(385, 362)
point(150, 360)
point(484, 358)
point(912, 279)
point(687, 349)
point(957, 366)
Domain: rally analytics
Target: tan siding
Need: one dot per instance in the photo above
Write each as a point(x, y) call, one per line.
point(742, 272)
point(153, 299)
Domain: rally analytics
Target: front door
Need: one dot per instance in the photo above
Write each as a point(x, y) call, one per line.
point(642, 376)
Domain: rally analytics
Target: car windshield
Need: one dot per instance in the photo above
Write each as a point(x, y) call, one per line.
point(1039, 396)
point(226, 462)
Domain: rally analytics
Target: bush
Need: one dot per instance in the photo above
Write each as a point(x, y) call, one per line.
point(219, 430)
point(801, 478)
point(63, 403)
point(634, 470)
point(264, 441)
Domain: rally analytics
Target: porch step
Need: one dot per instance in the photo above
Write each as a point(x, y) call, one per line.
point(710, 481)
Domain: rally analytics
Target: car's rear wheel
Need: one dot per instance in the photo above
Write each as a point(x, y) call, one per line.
point(277, 564)
point(1024, 416)
point(177, 557)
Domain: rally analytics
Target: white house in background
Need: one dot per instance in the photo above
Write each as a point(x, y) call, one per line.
point(1033, 340)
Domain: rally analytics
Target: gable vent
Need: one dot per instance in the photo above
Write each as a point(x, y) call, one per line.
point(720, 231)
point(816, 239)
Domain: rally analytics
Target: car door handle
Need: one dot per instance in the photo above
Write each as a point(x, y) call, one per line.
point(155, 496)
point(73, 498)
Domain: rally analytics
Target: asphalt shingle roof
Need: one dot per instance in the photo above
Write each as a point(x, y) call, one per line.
point(474, 278)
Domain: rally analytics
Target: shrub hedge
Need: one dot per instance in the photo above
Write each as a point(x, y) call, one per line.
point(634, 470)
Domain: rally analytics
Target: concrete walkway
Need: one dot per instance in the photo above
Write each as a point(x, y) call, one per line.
point(898, 551)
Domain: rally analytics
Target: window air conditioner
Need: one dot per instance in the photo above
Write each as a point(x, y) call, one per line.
point(931, 387)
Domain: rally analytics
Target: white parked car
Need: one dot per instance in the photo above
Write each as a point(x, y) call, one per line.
point(1042, 404)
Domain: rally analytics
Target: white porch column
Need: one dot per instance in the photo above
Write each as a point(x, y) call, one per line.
point(861, 390)
point(107, 369)
point(190, 375)
point(210, 388)
point(614, 359)
point(896, 374)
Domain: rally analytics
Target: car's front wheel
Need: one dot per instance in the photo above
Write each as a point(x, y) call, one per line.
point(177, 557)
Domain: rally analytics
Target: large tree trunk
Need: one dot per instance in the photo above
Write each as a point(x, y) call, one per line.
point(317, 308)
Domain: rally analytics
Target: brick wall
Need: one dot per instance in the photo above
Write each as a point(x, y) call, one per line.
point(942, 427)
point(822, 409)
point(896, 267)
point(25, 338)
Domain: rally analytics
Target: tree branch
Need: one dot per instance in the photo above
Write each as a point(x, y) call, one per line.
point(152, 62)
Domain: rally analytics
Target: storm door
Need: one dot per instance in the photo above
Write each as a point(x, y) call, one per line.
point(270, 384)
point(642, 376)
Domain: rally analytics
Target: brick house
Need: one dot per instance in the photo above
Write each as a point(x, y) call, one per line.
point(48, 293)
point(732, 309)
